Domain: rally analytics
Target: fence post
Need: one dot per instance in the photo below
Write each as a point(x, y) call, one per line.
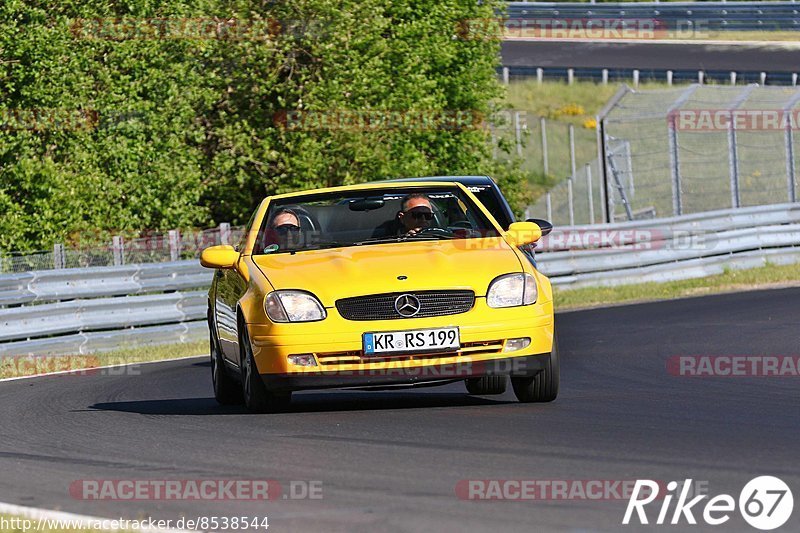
point(789, 137)
point(605, 76)
point(733, 155)
point(118, 249)
point(505, 75)
point(225, 233)
point(59, 258)
point(174, 245)
point(548, 202)
point(572, 150)
point(636, 78)
point(601, 168)
point(733, 78)
point(571, 201)
point(763, 78)
point(545, 158)
point(539, 75)
point(701, 77)
point(589, 189)
point(570, 76)
point(518, 133)
point(669, 77)
point(733, 162)
point(674, 167)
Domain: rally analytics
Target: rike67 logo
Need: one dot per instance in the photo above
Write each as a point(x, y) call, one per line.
point(765, 503)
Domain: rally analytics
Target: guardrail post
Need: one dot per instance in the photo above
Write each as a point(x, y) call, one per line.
point(174, 245)
point(669, 77)
point(570, 76)
point(733, 78)
point(590, 194)
point(545, 158)
point(505, 75)
point(763, 78)
point(539, 75)
point(701, 77)
point(571, 202)
point(636, 78)
point(518, 133)
point(225, 233)
point(794, 80)
point(605, 76)
point(118, 249)
point(59, 257)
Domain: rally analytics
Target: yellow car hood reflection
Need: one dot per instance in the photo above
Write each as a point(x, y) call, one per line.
point(380, 268)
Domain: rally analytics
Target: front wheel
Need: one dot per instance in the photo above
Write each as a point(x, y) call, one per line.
point(226, 389)
point(486, 385)
point(256, 396)
point(543, 387)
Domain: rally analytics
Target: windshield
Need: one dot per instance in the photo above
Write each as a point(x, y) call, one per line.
point(364, 218)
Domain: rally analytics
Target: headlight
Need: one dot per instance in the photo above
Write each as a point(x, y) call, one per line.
point(293, 306)
point(512, 290)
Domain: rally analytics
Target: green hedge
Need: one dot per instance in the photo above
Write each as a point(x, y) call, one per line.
point(124, 116)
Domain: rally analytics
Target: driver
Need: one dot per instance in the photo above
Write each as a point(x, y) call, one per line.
point(284, 230)
point(416, 214)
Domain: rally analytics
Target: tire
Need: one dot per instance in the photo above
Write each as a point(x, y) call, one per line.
point(487, 385)
point(256, 396)
point(226, 389)
point(543, 387)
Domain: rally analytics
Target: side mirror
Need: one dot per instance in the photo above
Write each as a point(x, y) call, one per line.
point(522, 233)
point(222, 256)
point(544, 225)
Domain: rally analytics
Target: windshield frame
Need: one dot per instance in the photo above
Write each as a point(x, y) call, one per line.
point(373, 189)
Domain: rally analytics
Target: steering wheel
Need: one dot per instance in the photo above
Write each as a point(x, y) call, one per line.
point(434, 230)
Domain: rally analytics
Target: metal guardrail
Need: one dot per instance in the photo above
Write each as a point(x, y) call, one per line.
point(95, 282)
point(99, 341)
point(101, 313)
point(718, 16)
point(674, 248)
point(95, 309)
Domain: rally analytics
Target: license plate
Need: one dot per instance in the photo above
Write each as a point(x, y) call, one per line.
point(418, 340)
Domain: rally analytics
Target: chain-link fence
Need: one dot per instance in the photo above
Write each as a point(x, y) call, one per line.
point(155, 247)
point(700, 148)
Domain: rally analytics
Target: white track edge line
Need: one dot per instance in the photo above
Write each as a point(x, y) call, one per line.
point(74, 371)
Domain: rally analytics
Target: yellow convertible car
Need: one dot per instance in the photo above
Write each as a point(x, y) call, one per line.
point(375, 286)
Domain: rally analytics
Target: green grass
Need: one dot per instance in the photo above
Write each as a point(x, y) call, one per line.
point(41, 364)
point(729, 281)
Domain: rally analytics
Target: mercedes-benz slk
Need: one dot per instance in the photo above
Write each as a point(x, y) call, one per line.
point(379, 286)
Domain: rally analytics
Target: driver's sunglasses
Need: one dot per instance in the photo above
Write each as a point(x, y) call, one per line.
point(419, 214)
point(287, 228)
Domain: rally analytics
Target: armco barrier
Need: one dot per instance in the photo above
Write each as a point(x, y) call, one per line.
point(94, 309)
point(716, 16)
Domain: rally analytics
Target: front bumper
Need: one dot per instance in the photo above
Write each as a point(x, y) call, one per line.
point(336, 344)
point(522, 366)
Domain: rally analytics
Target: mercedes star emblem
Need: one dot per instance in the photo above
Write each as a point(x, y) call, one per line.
point(407, 305)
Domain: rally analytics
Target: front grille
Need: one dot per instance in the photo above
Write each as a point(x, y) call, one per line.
point(381, 306)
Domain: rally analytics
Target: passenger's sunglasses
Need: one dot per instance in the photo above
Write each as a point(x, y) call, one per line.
point(287, 228)
point(419, 213)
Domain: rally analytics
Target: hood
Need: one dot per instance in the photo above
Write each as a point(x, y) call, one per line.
point(372, 269)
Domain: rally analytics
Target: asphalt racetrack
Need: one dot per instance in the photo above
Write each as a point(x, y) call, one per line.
point(768, 57)
point(392, 460)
